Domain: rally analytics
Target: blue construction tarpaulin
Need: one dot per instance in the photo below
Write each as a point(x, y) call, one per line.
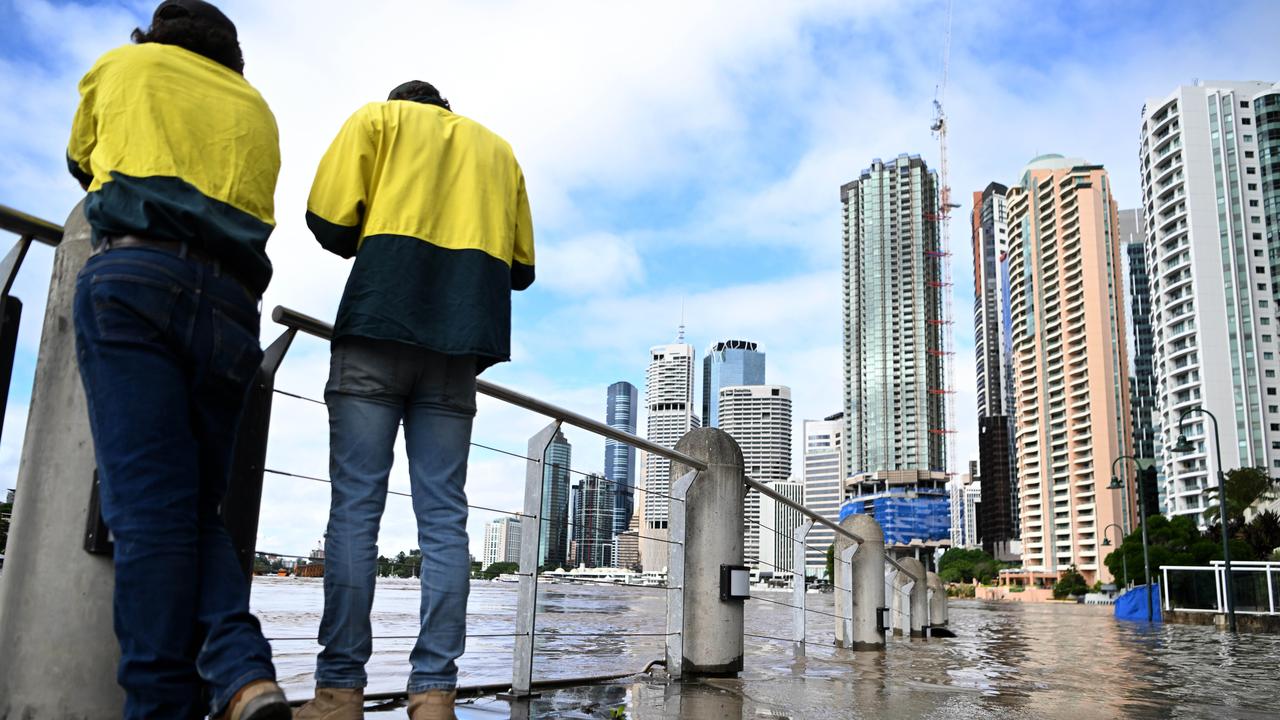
point(1133, 604)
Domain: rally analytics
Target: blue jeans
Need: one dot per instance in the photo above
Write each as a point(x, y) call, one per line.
point(373, 386)
point(167, 347)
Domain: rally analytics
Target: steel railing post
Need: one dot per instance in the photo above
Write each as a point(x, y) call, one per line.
point(861, 577)
point(798, 582)
point(675, 573)
point(530, 549)
point(243, 502)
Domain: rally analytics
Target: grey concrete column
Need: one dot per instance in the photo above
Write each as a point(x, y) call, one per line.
point(865, 588)
point(711, 640)
point(58, 652)
point(917, 593)
point(937, 601)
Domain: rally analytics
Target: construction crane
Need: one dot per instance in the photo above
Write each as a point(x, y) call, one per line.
point(943, 257)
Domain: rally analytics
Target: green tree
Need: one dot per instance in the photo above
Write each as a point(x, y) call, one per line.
point(261, 566)
point(1244, 486)
point(1262, 533)
point(1171, 542)
point(1071, 583)
point(966, 565)
point(501, 568)
point(831, 563)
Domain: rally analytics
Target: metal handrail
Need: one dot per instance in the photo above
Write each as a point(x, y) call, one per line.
point(323, 330)
point(20, 223)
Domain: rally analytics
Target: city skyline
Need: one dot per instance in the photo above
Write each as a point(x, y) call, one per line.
point(733, 149)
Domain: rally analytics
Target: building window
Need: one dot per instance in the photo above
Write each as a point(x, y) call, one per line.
point(1247, 138)
point(1259, 269)
point(1271, 391)
point(1246, 121)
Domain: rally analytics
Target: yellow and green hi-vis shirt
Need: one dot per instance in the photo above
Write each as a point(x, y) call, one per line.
point(433, 207)
point(174, 146)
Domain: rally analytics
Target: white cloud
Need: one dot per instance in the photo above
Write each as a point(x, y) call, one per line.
point(589, 265)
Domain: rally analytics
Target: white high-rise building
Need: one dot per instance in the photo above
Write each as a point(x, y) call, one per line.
point(501, 541)
point(1214, 298)
point(777, 550)
point(758, 417)
point(824, 478)
point(668, 397)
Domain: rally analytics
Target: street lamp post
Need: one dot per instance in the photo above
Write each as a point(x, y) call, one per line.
point(1106, 542)
point(1142, 521)
point(1183, 445)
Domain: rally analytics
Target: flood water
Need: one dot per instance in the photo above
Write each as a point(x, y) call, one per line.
point(1008, 660)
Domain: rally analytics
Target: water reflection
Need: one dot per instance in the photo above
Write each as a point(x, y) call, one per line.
point(1008, 660)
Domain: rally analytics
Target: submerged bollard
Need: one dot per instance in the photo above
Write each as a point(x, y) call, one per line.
point(937, 601)
point(912, 585)
point(58, 652)
point(710, 640)
point(860, 585)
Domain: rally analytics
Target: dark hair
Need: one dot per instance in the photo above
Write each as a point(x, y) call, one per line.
point(200, 37)
point(419, 91)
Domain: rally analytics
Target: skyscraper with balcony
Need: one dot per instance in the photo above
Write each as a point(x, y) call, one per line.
point(993, 354)
point(1069, 361)
point(1212, 257)
point(729, 362)
point(895, 429)
point(622, 404)
point(669, 401)
point(824, 477)
point(553, 526)
point(593, 522)
point(758, 418)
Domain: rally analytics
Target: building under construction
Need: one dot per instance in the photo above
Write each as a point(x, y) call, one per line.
point(896, 390)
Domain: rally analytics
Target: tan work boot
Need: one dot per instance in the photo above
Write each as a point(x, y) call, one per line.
point(333, 704)
point(258, 700)
point(432, 705)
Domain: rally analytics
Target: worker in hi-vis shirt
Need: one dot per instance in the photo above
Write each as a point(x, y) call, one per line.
point(179, 155)
point(433, 207)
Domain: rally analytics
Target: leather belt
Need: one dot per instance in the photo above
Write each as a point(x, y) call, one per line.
point(180, 249)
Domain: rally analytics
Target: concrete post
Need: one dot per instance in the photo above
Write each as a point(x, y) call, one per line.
point(937, 601)
point(913, 585)
point(59, 652)
point(864, 590)
point(711, 641)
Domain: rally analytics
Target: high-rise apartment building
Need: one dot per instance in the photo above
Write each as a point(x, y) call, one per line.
point(758, 418)
point(824, 478)
point(1142, 379)
point(1069, 359)
point(1213, 274)
point(777, 548)
point(727, 363)
point(593, 522)
point(553, 528)
point(622, 405)
point(669, 400)
point(501, 541)
point(895, 429)
point(966, 499)
point(993, 354)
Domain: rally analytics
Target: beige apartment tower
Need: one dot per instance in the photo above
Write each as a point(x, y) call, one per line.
point(1069, 363)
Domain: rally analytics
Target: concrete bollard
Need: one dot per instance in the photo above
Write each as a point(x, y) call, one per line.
point(915, 595)
point(937, 600)
point(861, 584)
point(710, 641)
point(59, 651)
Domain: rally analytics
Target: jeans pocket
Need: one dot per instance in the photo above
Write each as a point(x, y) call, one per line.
point(236, 353)
point(132, 308)
point(460, 383)
point(361, 367)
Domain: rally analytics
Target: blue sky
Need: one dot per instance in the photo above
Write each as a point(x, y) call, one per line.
point(674, 154)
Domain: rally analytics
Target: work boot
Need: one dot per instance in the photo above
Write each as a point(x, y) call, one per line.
point(258, 700)
point(333, 704)
point(432, 705)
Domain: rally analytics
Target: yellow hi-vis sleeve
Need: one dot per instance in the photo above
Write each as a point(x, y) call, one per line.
point(84, 133)
point(340, 193)
point(522, 255)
